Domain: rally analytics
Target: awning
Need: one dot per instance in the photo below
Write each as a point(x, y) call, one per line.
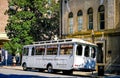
point(3, 38)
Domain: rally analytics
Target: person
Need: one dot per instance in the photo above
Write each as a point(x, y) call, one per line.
point(14, 61)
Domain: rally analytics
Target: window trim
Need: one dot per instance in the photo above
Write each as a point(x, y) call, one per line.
point(101, 10)
point(79, 18)
point(70, 22)
point(90, 13)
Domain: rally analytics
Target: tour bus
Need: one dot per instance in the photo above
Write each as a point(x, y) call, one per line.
point(64, 55)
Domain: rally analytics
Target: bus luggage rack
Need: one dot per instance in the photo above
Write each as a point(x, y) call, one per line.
point(53, 41)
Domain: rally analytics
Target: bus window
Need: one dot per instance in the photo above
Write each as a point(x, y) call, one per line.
point(25, 51)
point(87, 51)
point(32, 51)
point(40, 51)
point(66, 49)
point(93, 52)
point(52, 50)
point(79, 50)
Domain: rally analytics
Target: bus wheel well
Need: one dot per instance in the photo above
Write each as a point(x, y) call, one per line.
point(49, 64)
point(23, 64)
point(49, 68)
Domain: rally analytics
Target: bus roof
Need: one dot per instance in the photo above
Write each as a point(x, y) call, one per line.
point(60, 41)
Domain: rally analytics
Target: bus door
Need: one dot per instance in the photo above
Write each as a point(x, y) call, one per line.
point(65, 58)
point(27, 56)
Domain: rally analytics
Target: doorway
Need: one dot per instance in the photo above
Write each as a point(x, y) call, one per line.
point(100, 55)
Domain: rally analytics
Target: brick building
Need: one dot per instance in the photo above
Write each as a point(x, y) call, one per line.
point(3, 22)
point(97, 21)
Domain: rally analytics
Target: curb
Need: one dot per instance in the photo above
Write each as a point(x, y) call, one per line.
point(13, 67)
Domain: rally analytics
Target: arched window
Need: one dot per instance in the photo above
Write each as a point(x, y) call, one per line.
point(90, 18)
point(87, 51)
point(70, 22)
point(80, 20)
point(101, 16)
point(79, 50)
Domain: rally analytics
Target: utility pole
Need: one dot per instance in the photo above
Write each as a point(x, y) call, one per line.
point(61, 14)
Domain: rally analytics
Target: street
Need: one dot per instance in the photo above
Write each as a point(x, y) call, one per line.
point(11, 73)
point(17, 72)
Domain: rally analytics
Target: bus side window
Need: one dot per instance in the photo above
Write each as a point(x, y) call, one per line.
point(26, 50)
point(79, 50)
point(66, 49)
point(40, 51)
point(87, 51)
point(52, 51)
point(93, 52)
point(32, 51)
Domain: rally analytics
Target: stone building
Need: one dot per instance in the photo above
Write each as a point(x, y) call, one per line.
point(97, 21)
point(3, 22)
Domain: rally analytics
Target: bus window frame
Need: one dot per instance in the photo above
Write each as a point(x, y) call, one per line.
point(94, 49)
point(88, 53)
point(41, 46)
point(77, 49)
point(25, 53)
point(33, 51)
point(53, 46)
point(66, 48)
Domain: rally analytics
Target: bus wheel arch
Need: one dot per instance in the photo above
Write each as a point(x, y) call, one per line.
point(24, 65)
point(49, 68)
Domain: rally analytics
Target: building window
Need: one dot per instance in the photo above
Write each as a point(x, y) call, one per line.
point(101, 11)
point(70, 22)
point(80, 20)
point(90, 18)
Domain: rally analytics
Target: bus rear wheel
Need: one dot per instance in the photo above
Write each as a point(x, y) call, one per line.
point(49, 69)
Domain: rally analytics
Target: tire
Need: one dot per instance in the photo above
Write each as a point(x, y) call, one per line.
point(49, 69)
point(24, 67)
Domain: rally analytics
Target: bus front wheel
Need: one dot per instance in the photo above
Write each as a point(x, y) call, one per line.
point(24, 67)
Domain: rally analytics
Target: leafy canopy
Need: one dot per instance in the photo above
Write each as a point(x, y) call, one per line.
point(31, 20)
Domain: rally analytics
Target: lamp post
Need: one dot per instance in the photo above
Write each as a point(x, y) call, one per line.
point(62, 28)
point(93, 36)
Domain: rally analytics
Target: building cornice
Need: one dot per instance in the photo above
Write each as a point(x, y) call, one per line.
point(89, 33)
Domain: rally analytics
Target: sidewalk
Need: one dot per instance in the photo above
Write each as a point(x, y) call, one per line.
point(13, 67)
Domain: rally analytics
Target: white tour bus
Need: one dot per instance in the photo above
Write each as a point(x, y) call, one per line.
point(64, 55)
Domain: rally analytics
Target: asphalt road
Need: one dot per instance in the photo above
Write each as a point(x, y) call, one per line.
point(11, 73)
point(19, 73)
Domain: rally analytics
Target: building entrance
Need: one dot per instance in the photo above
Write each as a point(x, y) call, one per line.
point(100, 56)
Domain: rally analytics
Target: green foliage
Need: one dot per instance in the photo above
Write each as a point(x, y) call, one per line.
point(31, 20)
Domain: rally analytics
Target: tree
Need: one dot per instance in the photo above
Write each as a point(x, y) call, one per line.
point(31, 20)
point(47, 20)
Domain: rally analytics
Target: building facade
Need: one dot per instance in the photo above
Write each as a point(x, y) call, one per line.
point(97, 21)
point(3, 23)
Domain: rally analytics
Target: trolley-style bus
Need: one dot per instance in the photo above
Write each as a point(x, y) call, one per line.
point(64, 55)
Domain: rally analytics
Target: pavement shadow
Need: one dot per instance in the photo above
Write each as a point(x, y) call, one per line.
point(20, 76)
